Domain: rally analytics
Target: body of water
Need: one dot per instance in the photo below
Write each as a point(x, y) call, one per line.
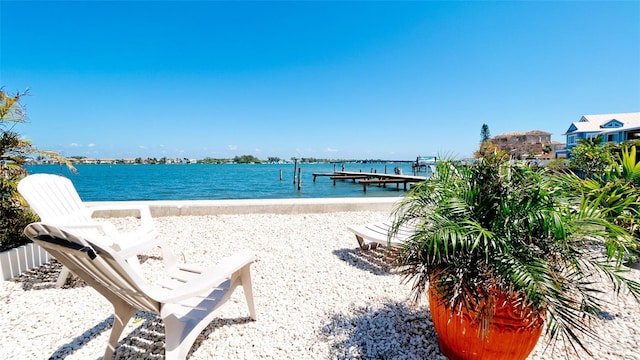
point(216, 181)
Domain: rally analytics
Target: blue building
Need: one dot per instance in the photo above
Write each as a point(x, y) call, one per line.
point(614, 128)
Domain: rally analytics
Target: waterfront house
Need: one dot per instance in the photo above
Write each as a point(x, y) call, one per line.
point(527, 144)
point(614, 128)
point(88, 161)
point(107, 161)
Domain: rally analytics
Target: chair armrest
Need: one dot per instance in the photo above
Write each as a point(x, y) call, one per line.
point(105, 228)
point(105, 231)
point(138, 248)
point(143, 210)
point(208, 280)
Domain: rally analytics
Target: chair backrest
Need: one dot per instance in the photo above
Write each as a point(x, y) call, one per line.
point(56, 201)
point(53, 198)
point(100, 267)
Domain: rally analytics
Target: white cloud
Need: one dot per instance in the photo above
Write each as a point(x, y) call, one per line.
point(74, 145)
point(332, 150)
point(258, 150)
point(232, 147)
point(91, 145)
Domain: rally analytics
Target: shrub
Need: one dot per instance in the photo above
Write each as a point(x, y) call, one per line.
point(14, 214)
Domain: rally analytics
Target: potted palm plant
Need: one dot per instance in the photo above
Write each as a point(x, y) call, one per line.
point(502, 250)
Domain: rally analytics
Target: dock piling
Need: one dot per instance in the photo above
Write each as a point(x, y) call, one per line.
point(295, 165)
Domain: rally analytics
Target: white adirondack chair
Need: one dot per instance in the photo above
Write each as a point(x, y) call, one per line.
point(56, 201)
point(379, 234)
point(187, 302)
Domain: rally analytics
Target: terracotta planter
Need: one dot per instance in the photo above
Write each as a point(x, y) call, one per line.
point(512, 335)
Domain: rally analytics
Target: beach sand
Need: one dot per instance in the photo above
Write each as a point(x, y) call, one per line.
point(317, 296)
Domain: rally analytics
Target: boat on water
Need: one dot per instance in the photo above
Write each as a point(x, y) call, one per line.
point(426, 164)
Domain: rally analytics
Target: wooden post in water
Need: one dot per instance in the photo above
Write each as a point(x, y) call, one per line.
point(299, 178)
point(295, 166)
point(385, 169)
point(280, 174)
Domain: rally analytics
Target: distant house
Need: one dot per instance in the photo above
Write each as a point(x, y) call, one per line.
point(614, 128)
point(558, 150)
point(49, 161)
point(89, 161)
point(527, 144)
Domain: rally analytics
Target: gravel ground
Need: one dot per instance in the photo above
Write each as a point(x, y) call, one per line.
point(317, 297)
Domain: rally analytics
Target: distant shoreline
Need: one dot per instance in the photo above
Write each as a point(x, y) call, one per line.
point(199, 162)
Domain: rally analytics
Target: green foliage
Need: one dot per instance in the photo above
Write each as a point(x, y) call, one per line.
point(629, 165)
point(15, 215)
point(493, 227)
point(487, 147)
point(246, 159)
point(558, 164)
point(209, 160)
point(616, 194)
point(485, 135)
point(590, 158)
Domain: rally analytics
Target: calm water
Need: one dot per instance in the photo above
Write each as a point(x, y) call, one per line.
point(212, 181)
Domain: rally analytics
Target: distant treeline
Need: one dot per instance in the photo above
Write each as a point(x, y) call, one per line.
point(250, 159)
point(242, 159)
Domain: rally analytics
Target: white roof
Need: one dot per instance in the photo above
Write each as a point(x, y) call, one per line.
point(624, 128)
point(593, 123)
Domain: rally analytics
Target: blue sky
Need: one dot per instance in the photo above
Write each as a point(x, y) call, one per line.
point(388, 80)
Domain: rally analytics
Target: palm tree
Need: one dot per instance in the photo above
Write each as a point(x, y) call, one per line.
point(14, 152)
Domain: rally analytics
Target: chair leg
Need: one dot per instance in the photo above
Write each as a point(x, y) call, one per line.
point(65, 273)
point(245, 278)
point(365, 246)
point(176, 332)
point(123, 313)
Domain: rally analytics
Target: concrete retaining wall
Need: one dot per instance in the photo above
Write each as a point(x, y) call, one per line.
point(160, 208)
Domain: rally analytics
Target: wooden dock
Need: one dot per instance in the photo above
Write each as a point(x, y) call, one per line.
point(366, 179)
